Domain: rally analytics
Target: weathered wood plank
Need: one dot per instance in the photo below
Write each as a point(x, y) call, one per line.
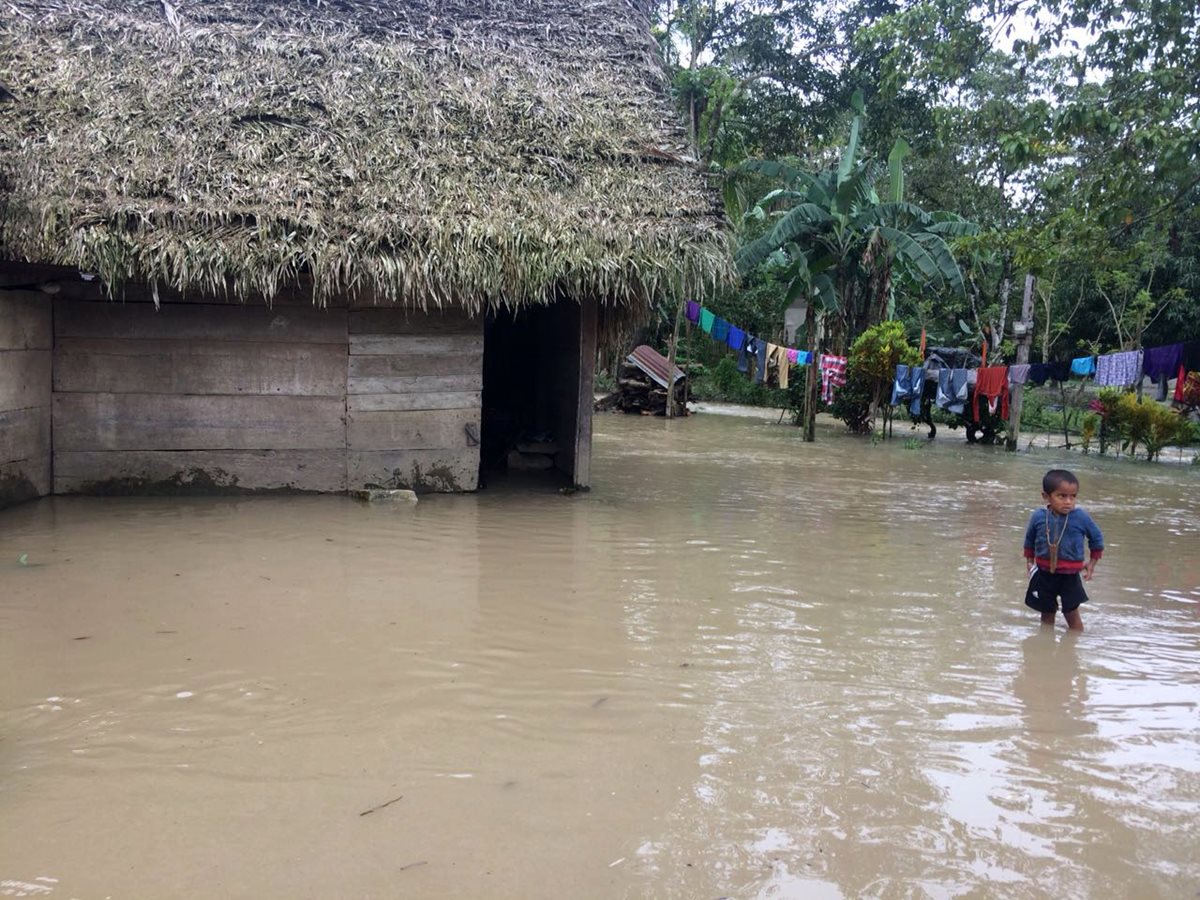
point(199, 471)
point(199, 367)
point(25, 434)
point(24, 378)
point(412, 344)
point(581, 469)
point(439, 471)
point(415, 364)
point(25, 319)
point(140, 321)
point(390, 320)
point(168, 422)
point(418, 400)
point(415, 384)
point(413, 429)
point(24, 480)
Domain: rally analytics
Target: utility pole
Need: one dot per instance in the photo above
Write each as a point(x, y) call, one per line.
point(1024, 329)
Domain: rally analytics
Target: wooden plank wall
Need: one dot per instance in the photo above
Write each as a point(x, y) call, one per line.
point(414, 383)
point(198, 397)
point(25, 346)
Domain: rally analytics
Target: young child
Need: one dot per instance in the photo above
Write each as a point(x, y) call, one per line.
point(1054, 550)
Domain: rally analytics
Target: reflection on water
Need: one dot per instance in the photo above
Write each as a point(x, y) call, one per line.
point(741, 667)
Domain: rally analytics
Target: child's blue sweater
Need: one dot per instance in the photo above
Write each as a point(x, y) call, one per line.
point(1073, 527)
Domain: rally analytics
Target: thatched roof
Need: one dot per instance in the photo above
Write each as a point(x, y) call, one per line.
point(419, 151)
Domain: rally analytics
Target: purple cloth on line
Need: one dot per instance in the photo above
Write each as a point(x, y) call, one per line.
point(693, 311)
point(1018, 374)
point(1162, 362)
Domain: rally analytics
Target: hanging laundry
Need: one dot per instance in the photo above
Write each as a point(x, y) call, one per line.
point(1018, 374)
point(992, 383)
point(736, 339)
point(1083, 366)
point(743, 363)
point(707, 318)
point(1119, 369)
point(803, 358)
point(952, 390)
point(778, 356)
point(720, 330)
point(1160, 363)
point(1188, 382)
point(833, 375)
point(693, 312)
point(760, 357)
point(792, 355)
point(1191, 356)
point(1188, 391)
point(909, 384)
point(1040, 373)
point(752, 367)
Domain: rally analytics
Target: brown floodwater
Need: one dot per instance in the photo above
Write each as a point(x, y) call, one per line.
point(742, 666)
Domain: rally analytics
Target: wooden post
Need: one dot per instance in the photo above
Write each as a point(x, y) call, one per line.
point(810, 386)
point(1014, 405)
point(589, 327)
point(671, 362)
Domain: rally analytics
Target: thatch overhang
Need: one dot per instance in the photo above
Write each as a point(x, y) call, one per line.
point(468, 152)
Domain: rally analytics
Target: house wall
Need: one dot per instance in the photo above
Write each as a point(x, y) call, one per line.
point(413, 399)
point(221, 398)
point(25, 342)
point(198, 397)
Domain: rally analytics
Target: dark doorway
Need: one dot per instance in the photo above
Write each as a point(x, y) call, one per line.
point(537, 386)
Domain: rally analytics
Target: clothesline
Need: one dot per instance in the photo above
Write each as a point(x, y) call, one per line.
point(994, 383)
point(752, 350)
point(1119, 369)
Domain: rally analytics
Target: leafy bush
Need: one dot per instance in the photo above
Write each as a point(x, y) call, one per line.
point(1091, 424)
point(852, 403)
point(1141, 423)
point(723, 383)
point(870, 369)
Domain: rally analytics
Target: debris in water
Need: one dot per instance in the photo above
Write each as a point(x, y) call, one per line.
point(367, 812)
point(412, 865)
point(23, 559)
point(599, 702)
point(83, 637)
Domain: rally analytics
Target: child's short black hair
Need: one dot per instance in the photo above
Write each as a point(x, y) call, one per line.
point(1055, 478)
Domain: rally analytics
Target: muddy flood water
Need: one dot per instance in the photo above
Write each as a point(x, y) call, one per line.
point(740, 667)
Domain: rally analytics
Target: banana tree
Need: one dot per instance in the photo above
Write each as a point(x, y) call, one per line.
point(842, 245)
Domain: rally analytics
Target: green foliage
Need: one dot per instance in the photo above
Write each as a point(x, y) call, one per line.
point(1088, 430)
point(852, 403)
point(723, 383)
point(1141, 423)
point(877, 351)
point(835, 127)
point(841, 246)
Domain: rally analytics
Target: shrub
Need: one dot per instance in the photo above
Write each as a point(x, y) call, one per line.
point(1141, 423)
point(870, 368)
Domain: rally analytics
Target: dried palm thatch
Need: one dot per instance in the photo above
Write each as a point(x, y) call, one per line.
point(424, 152)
